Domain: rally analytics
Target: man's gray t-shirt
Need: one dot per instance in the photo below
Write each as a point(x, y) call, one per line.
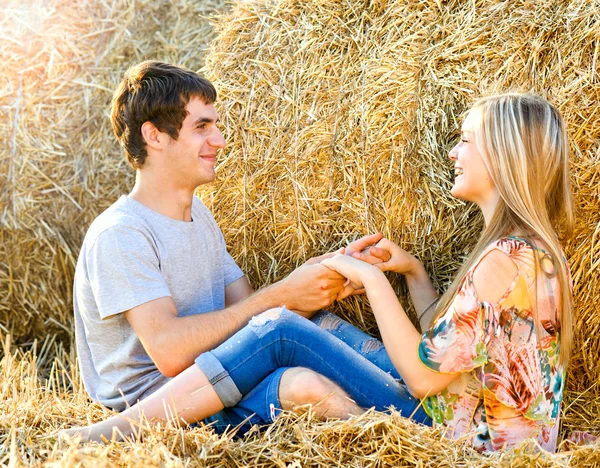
point(132, 255)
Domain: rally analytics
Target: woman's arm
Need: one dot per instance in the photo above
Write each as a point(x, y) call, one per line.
point(423, 295)
point(399, 335)
point(393, 258)
point(492, 278)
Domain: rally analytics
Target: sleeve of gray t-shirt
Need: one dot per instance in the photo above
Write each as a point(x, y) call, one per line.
point(231, 271)
point(123, 270)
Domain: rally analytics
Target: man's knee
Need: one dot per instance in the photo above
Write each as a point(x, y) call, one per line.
point(301, 386)
point(266, 316)
point(280, 321)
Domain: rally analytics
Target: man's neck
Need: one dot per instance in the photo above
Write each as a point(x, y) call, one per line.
point(163, 197)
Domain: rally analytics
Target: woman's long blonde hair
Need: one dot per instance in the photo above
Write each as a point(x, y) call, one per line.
point(523, 142)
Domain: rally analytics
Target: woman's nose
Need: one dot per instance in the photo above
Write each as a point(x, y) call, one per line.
point(453, 154)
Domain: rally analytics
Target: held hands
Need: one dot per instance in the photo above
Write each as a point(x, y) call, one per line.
point(388, 256)
point(314, 285)
point(337, 275)
point(374, 249)
point(368, 253)
point(311, 287)
point(355, 271)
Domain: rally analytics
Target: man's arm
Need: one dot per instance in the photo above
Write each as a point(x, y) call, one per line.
point(237, 291)
point(174, 342)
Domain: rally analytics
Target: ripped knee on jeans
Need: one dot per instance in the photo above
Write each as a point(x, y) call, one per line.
point(371, 345)
point(328, 321)
point(266, 316)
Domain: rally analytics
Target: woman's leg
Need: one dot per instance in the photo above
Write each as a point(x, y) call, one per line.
point(364, 344)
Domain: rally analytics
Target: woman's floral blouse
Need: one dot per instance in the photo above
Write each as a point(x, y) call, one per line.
point(511, 382)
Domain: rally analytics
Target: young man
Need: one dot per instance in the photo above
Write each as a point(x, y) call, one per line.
point(154, 285)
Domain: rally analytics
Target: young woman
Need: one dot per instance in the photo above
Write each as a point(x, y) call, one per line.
point(491, 363)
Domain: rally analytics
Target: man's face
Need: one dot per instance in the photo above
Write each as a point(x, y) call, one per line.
point(192, 157)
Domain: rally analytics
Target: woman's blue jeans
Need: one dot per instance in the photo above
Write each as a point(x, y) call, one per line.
point(246, 369)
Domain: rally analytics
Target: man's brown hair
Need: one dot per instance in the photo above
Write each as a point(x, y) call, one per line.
point(154, 92)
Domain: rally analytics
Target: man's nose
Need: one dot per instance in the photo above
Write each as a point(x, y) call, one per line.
point(217, 140)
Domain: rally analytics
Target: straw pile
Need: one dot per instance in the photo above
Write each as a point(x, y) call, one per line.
point(339, 117)
point(60, 165)
point(31, 413)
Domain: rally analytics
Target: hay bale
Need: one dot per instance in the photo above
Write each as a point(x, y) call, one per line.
point(340, 117)
point(60, 165)
point(319, 106)
point(33, 409)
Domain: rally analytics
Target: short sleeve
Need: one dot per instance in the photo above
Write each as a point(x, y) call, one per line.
point(232, 271)
point(457, 342)
point(123, 269)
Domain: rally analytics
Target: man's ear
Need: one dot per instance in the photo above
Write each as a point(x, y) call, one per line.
point(153, 137)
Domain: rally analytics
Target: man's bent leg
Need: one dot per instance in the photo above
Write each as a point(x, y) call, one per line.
point(280, 338)
point(300, 387)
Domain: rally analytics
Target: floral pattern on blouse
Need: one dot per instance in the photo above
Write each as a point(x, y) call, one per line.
point(511, 382)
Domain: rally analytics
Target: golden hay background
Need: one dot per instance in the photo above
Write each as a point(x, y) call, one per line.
point(339, 117)
point(60, 165)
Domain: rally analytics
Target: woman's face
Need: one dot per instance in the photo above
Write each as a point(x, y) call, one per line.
point(472, 179)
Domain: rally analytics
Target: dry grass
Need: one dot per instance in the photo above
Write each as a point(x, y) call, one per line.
point(60, 165)
point(339, 116)
point(32, 412)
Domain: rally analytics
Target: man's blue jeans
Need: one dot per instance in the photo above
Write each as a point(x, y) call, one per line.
point(246, 369)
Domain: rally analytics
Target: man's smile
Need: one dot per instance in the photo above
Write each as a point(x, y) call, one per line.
point(209, 157)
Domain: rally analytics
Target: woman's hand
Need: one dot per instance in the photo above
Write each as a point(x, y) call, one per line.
point(320, 258)
point(364, 244)
point(388, 256)
point(354, 270)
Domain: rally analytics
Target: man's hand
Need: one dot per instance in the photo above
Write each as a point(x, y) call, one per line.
point(310, 288)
